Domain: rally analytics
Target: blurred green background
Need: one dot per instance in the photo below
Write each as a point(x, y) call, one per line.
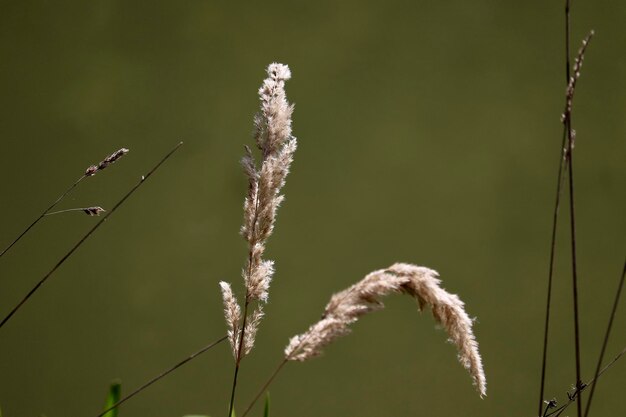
point(429, 133)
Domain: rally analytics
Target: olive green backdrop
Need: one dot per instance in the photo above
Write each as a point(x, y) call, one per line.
point(429, 133)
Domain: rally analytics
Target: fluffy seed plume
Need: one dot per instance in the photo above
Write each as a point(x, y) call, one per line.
point(232, 312)
point(276, 145)
point(347, 306)
point(92, 170)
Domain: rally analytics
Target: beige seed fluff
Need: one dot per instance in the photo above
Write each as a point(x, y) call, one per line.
point(276, 145)
point(347, 306)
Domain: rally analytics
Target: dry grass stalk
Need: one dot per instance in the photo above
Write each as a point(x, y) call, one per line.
point(277, 146)
point(347, 306)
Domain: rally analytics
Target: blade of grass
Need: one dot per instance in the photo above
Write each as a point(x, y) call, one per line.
point(266, 412)
point(113, 396)
point(88, 234)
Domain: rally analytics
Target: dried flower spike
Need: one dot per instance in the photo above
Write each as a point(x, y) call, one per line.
point(277, 145)
point(347, 306)
point(93, 211)
point(93, 169)
point(232, 312)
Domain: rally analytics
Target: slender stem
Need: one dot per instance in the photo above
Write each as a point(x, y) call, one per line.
point(569, 156)
point(87, 235)
point(61, 197)
point(65, 211)
point(231, 406)
point(563, 162)
point(238, 360)
point(265, 386)
point(606, 337)
point(574, 269)
point(555, 216)
point(163, 374)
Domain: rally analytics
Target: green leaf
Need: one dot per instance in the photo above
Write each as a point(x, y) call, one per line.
point(115, 391)
point(192, 415)
point(266, 413)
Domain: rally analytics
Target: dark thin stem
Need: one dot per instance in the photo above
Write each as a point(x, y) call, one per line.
point(572, 397)
point(163, 374)
point(555, 215)
point(238, 360)
point(231, 406)
point(88, 234)
point(265, 386)
point(574, 268)
point(568, 125)
point(61, 197)
point(606, 337)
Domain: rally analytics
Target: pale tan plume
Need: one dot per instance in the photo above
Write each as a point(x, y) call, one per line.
point(276, 145)
point(422, 283)
point(232, 313)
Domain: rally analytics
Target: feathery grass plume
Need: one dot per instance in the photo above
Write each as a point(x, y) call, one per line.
point(232, 312)
point(93, 169)
point(277, 146)
point(347, 306)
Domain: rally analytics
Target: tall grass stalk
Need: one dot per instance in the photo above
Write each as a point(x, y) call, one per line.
point(567, 120)
point(565, 164)
point(277, 146)
point(555, 217)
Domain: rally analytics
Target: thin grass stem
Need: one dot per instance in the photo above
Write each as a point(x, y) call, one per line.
point(555, 215)
point(231, 405)
point(574, 267)
point(606, 337)
point(87, 235)
point(265, 386)
point(163, 374)
point(238, 360)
